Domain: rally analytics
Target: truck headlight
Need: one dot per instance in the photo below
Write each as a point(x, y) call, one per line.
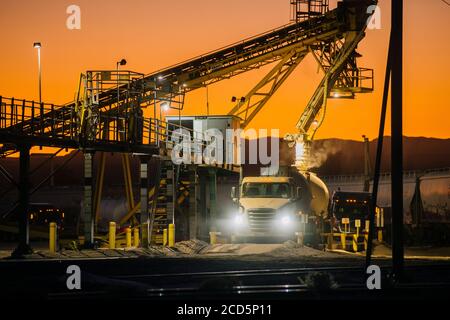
point(286, 220)
point(239, 219)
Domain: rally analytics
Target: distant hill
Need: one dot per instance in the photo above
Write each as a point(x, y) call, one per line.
point(330, 157)
point(336, 157)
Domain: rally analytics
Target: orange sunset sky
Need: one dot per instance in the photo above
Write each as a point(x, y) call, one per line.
point(152, 34)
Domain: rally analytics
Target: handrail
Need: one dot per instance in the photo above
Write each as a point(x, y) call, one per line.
point(409, 173)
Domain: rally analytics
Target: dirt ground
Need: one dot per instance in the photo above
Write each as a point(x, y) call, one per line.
point(199, 249)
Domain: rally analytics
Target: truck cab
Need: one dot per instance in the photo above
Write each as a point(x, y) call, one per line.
point(268, 207)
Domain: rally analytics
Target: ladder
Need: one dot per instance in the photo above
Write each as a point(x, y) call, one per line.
point(168, 198)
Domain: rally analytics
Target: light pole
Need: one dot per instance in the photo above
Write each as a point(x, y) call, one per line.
point(164, 107)
point(118, 64)
point(37, 45)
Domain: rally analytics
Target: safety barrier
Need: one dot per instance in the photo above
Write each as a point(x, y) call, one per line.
point(213, 235)
point(52, 237)
point(353, 241)
point(171, 235)
point(136, 237)
point(112, 235)
point(128, 237)
point(300, 238)
point(165, 240)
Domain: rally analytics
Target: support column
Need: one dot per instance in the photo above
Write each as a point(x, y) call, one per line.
point(24, 203)
point(144, 211)
point(213, 199)
point(193, 193)
point(88, 205)
point(171, 195)
point(367, 165)
point(99, 188)
point(397, 138)
point(202, 215)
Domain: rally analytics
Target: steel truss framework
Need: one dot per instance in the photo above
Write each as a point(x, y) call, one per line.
point(107, 115)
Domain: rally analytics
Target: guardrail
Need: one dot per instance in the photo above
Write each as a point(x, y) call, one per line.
point(406, 174)
point(31, 118)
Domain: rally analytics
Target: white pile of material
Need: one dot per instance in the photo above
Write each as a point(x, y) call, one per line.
point(191, 246)
point(292, 249)
point(289, 249)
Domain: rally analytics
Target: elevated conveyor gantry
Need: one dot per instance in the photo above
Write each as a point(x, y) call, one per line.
point(108, 112)
point(97, 110)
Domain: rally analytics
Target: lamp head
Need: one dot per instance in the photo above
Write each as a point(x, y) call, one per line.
point(165, 106)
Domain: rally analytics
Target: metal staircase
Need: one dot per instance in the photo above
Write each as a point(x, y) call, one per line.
point(162, 202)
point(168, 197)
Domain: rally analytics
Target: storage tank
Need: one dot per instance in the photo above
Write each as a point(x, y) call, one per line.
point(316, 196)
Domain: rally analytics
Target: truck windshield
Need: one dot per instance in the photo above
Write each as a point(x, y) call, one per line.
point(351, 211)
point(266, 190)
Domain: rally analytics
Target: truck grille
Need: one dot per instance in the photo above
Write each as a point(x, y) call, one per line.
point(261, 220)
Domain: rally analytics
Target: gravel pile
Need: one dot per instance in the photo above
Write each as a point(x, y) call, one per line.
point(191, 246)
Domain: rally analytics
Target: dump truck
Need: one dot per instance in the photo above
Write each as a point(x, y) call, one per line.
point(283, 207)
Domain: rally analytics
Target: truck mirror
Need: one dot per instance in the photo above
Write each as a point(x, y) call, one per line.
point(299, 193)
point(234, 194)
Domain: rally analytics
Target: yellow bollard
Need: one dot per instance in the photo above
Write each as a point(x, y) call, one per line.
point(344, 241)
point(128, 236)
point(300, 238)
point(355, 242)
point(367, 226)
point(380, 235)
point(136, 237)
point(358, 226)
point(112, 235)
point(213, 238)
point(330, 241)
point(165, 237)
point(366, 241)
point(52, 237)
point(171, 235)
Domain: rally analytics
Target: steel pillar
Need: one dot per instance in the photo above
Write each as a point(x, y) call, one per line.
point(193, 193)
point(128, 180)
point(397, 138)
point(88, 205)
point(171, 194)
point(99, 187)
point(144, 198)
point(258, 97)
point(377, 169)
point(52, 169)
point(24, 203)
point(367, 165)
point(213, 199)
point(202, 216)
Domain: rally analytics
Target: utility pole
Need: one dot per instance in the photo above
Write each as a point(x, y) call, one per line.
point(24, 203)
point(397, 138)
point(367, 165)
point(37, 45)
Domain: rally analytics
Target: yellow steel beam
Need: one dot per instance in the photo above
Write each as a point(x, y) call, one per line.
point(128, 180)
point(258, 97)
point(137, 207)
point(319, 99)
